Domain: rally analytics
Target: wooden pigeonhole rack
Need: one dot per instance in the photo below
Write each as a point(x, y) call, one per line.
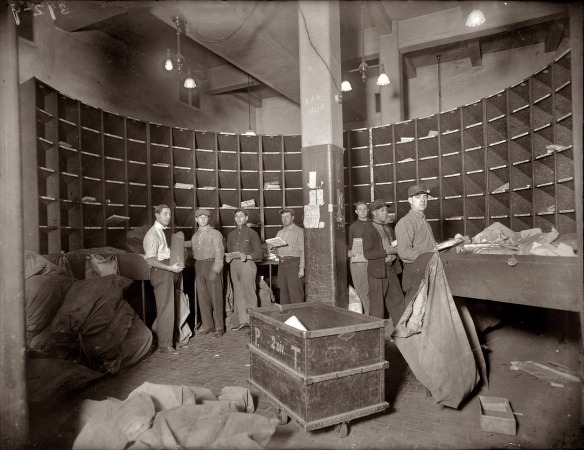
point(328, 375)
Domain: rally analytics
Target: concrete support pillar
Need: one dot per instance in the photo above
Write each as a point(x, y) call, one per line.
point(13, 400)
point(322, 152)
point(576, 52)
point(392, 99)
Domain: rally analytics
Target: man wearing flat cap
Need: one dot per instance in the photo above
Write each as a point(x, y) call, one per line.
point(207, 245)
point(414, 235)
point(244, 249)
point(382, 265)
point(290, 260)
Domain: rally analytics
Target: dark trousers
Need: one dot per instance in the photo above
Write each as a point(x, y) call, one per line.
point(386, 293)
point(164, 283)
point(407, 277)
point(210, 296)
point(291, 287)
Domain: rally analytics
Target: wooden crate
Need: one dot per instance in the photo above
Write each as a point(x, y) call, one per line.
point(496, 415)
point(330, 374)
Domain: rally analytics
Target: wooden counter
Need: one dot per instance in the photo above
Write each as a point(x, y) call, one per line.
point(544, 281)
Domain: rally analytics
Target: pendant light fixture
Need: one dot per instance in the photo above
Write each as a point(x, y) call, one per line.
point(382, 79)
point(363, 67)
point(178, 59)
point(476, 18)
point(249, 131)
point(346, 86)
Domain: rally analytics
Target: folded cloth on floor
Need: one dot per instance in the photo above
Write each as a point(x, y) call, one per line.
point(240, 398)
point(166, 396)
point(206, 426)
point(180, 420)
point(111, 424)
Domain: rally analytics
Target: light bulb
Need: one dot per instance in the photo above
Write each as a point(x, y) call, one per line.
point(249, 132)
point(189, 81)
point(475, 19)
point(382, 79)
point(168, 63)
point(346, 86)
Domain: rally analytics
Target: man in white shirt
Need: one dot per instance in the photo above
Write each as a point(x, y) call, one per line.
point(163, 278)
point(291, 260)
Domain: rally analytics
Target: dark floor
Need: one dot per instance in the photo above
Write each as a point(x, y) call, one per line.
point(547, 417)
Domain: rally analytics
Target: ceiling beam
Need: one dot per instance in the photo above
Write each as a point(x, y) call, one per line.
point(380, 17)
point(553, 37)
point(448, 27)
point(254, 101)
point(409, 68)
point(83, 14)
point(474, 50)
point(257, 41)
point(227, 78)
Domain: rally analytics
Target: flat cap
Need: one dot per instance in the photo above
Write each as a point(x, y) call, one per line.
point(286, 210)
point(376, 204)
point(417, 189)
point(202, 212)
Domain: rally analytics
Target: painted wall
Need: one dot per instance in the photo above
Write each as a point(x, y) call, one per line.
point(463, 84)
point(278, 115)
point(101, 71)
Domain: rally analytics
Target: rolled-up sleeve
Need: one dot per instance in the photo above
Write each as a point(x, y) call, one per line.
point(150, 245)
point(219, 251)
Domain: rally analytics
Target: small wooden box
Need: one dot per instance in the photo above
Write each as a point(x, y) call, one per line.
point(329, 374)
point(496, 415)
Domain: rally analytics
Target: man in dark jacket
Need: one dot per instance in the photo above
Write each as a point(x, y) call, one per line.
point(383, 266)
point(244, 249)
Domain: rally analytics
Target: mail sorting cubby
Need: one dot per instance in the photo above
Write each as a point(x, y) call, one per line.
point(382, 165)
point(205, 175)
point(293, 196)
point(228, 168)
point(450, 187)
point(498, 174)
point(182, 180)
point(115, 192)
point(137, 170)
point(346, 180)
point(254, 220)
point(428, 171)
point(405, 162)
point(92, 210)
point(229, 181)
point(271, 170)
point(475, 184)
point(250, 173)
point(357, 179)
point(160, 165)
point(272, 221)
